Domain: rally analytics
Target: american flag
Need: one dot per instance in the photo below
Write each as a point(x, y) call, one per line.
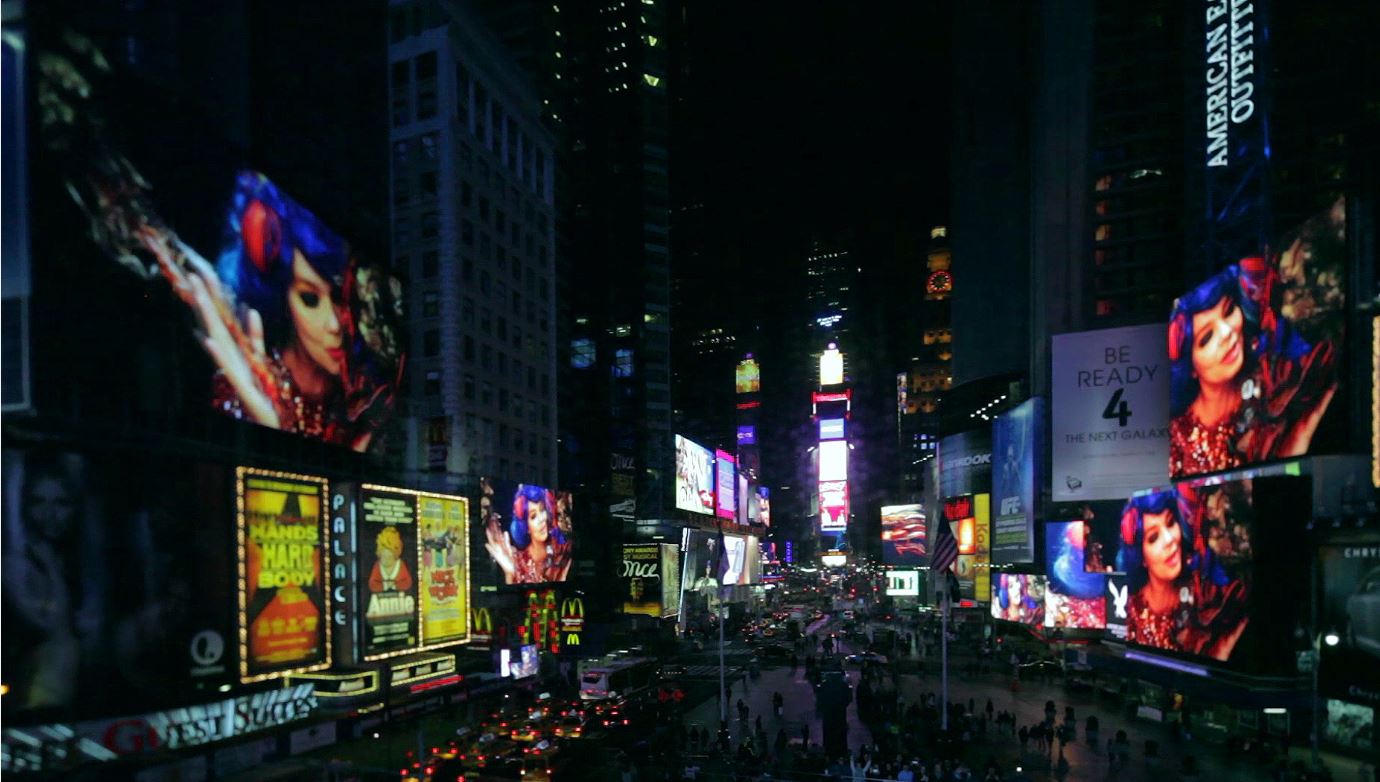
point(945, 552)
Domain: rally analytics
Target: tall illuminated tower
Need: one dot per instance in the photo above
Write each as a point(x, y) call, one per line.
point(832, 410)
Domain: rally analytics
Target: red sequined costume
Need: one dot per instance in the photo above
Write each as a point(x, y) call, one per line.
point(1206, 621)
point(553, 568)
point(313, 418)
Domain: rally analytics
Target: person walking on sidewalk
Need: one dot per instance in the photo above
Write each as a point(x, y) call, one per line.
point(778, 704)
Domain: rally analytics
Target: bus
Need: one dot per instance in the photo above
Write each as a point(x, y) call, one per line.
point(618, 679)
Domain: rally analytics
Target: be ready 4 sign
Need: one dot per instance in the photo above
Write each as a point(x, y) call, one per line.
point(1110, 419)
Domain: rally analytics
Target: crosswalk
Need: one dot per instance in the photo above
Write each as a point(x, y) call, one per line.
point(709, 671)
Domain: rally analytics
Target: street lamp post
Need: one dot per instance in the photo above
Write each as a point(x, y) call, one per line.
point(1331, 639)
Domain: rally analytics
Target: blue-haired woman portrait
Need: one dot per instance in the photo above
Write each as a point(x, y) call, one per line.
point(531, 547)
point(1020, 598)
point(1245, 384)
point(1181, 599)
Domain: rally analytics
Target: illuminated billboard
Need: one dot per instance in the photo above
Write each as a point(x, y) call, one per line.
point(670, 579)
point(833, 460)
point(1267, 335)
point(1074, 598)
point(740, 563)
point(725, 485)
point(764, 505)
point(902, 583)
point(114, 601)
point(529, 533)
point(833, 505)
point(830, 366)
point(965, 463)
point(970, 519)
point(284, 583)
point(694, 477)
point(1019, 597)
point(831, 429)
point(1018, 447)
point(388, 555)
point(266, 314)
point(747, 435)
point(641, 577)
point(747, 377)
point(1350, 606)
point(903, 535)
point(444, 568)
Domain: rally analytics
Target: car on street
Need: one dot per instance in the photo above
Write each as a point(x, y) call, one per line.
point(862, 658)
point(773, 653)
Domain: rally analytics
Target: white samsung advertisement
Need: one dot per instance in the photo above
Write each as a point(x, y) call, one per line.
point(1110, 418)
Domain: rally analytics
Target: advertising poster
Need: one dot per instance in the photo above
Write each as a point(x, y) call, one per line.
point(113, 602)
point(1019, 597)
point(748, 377)
point(1351, 608)
point(694, 477)
point(965, 463)
point(745, 490)
point(903, 583)
point(444, 568)
point(1118, 605)
point(982, 554)
point(528, 534)
point(1110, 415)
point(1101, 532)
point(670, 579)
point(833, 460)
point(833, 505)
point(388, 554)
point(1018, 447)
point(741, 561)
point(282, 524)
point(244, 301)
point(700, 561)
point(726, 485)
point(1073, 598)
point(903, 535)
point(764, 505)
point(641, 578)
point(1255, 353)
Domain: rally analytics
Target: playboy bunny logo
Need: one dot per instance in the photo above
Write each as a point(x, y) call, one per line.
point(1120, 594)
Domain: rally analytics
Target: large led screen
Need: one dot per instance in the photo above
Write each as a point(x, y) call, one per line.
point(206, 283)
point(670, 579)
point(529, 533)
point(1188, 558)
point(764, 504)
point(833, 460)
point(282, 523)
point(699, 561)
point(1256, 352)
point(694, 477)
point(1074, 596)
point(388, 571)
point(833, 505)
point(902, 583)
point(748, 377)
point(903, 535)
point(831, 429)
point(1019, 597)
point(965, 463)
point(740, 563)
point(444, 567)
point(725, 485)
point(1101, 533)
point(1018, 446)
point(119, 581)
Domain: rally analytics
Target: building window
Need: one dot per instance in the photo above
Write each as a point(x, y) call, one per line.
point(431, 261)
point(581, 353)
point(431, 225)
point(431, 304)
point(467, 317)
point(431, 343)
point(469, 392)
point(432, 385)
point(469, 348)
point(486, 394)
point(467, 233)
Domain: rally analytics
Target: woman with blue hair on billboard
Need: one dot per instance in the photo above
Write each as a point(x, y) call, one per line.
point(1245, 384)
point(534, 549)
point(1182, 599)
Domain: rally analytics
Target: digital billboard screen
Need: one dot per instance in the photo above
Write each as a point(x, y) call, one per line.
point(388, 554)
point(245, 302)
point(833, 460)
point(741, 561)
point(114, 603)
point(830, 367)
point(747, 435)
point(694, 477)
point(699, 561)
point(764, 504)
point(965, 463)
point(833, 505)
point(1351, 608)
point(1255, 355)
point(1074, 598)
point(1117, 597)
point(831, 429)
point(902, 583)
point(745, 491)
point(1019, 597)
point(747, 377)
point(670, 579)
point(1018, 446)
point(725, 485)
point(1101, 533)
point(444, 567)
point(528, 533)
point(904, 529)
